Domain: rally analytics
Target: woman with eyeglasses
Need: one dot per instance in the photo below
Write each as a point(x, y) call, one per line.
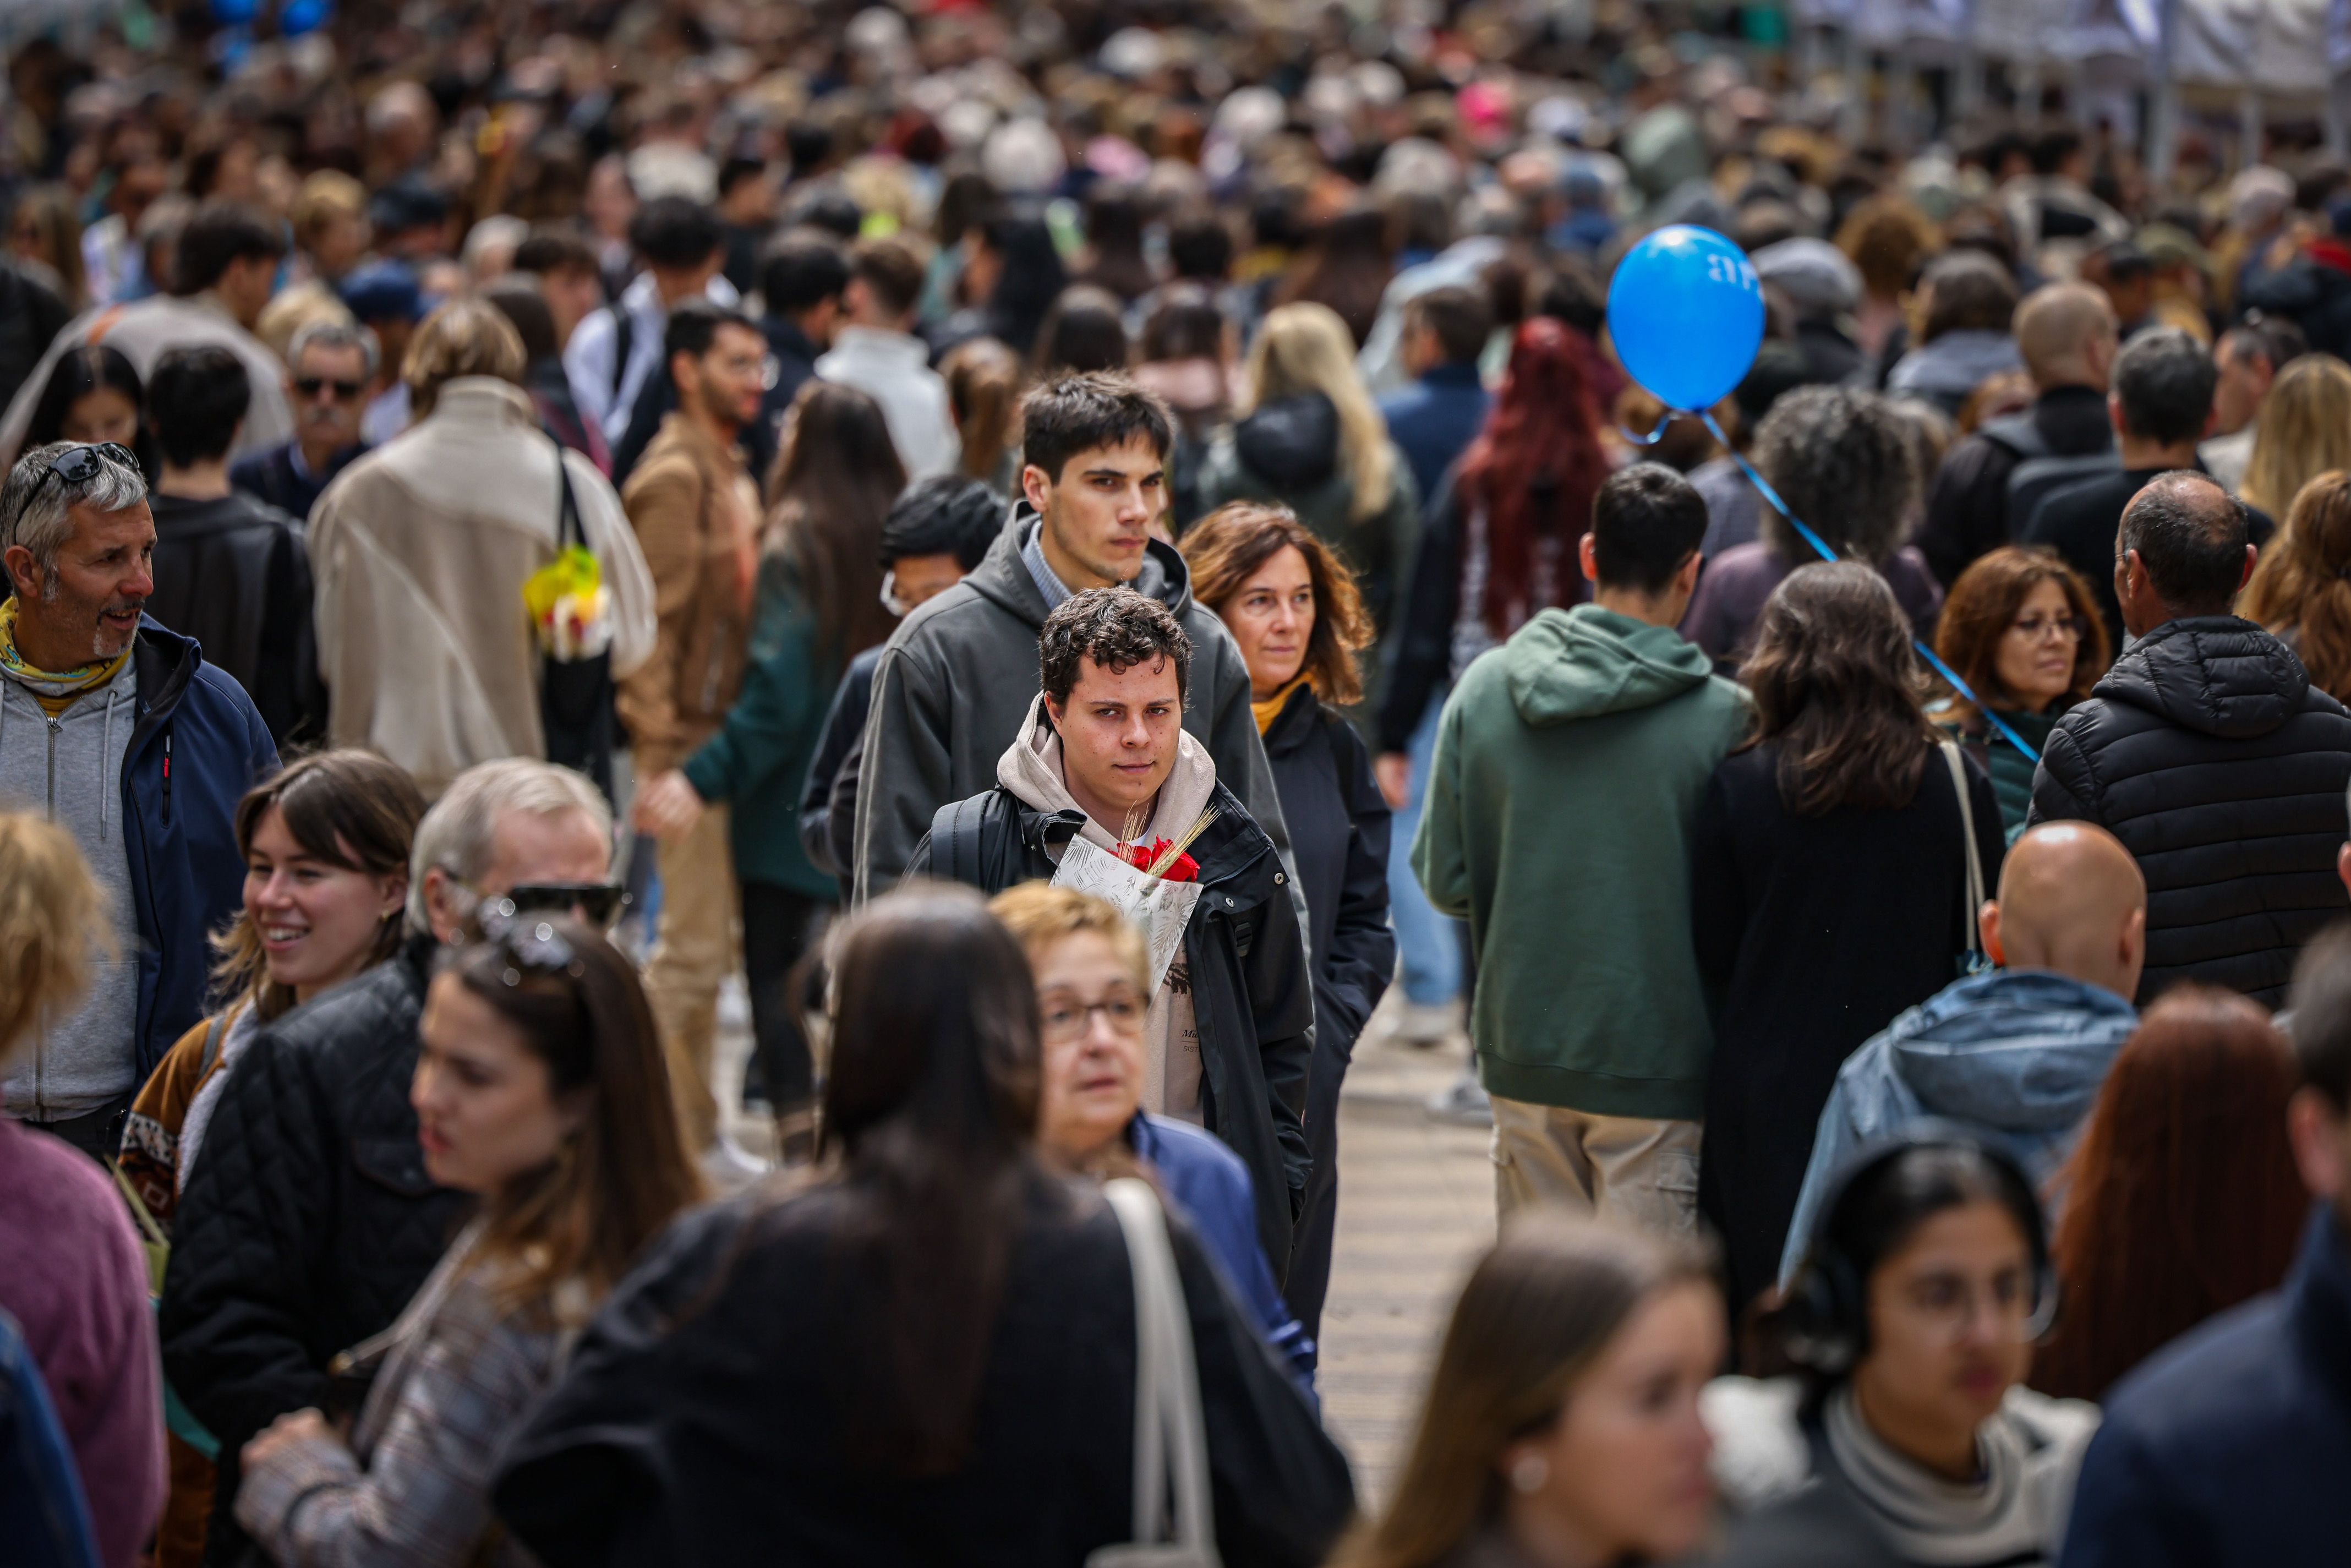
point(2021, 628)
point(925, 1353)
point(540, 1090)
point(1093, 992)
point(1905, 1434)
point(815, 605)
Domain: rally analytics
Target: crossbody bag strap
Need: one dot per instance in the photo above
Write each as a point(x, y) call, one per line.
point(1171, 1441)
point(1973, 891)
point(568, 530)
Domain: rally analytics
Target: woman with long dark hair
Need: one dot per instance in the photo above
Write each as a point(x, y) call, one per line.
point(1829, 889)
point(2301, 588)
point(1904, 1434)
point(1500, 544)
point(1561, 1424)
point(94, 395)
point(540, 1089)
point(1012, 273)
point(2182, 1198)
point(928, 1346)
point(817, 604)
point(2022, 630)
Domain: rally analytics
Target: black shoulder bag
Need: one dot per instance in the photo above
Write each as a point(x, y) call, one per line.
point(575, 695)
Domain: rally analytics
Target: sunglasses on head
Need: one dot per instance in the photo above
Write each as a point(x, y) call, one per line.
point(311, 386)
point(78, 465)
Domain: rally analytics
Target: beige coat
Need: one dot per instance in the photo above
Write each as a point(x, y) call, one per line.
point(421, 549)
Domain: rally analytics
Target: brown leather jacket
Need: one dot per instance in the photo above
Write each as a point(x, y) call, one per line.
point(696, 518)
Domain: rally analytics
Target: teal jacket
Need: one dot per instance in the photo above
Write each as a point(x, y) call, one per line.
point(760, 754)
point(1569, 764)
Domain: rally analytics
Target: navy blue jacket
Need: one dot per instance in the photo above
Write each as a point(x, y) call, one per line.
point(1433, 421)
point(2229, 1449)
point(44, 1517)
point(198, 746)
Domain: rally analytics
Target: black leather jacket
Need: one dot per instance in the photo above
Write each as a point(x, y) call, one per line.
point(310, 1222)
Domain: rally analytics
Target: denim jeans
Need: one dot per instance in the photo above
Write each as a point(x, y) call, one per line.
point(1429, 944)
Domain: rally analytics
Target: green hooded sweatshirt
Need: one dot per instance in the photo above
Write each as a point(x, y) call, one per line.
point(1570, 763)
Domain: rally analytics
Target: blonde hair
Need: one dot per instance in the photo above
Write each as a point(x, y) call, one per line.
point(52, 917)
point(466, 337)
point(2305, 431)
point(325, 196)
point(1306, 347)
point(1038, 914)
point(293, 310)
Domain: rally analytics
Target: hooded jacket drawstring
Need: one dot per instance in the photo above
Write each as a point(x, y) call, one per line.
point(105, 750)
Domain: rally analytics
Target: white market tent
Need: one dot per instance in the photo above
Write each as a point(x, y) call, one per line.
point(2273, 56)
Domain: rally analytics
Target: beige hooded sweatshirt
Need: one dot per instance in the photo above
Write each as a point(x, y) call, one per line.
point(1030, 768)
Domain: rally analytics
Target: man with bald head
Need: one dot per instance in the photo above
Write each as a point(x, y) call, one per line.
point(2208, 753)
point(2020, 1051)
point(2066, 333)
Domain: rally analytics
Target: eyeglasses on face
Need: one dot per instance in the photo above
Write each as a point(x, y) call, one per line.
point(2032, 628)
point(1066, 1018)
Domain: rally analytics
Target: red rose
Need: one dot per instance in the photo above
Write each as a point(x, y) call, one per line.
point(1143, 857)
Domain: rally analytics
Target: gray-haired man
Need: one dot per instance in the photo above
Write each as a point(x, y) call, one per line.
point(334, 365)
point(119, 731)
point(310, 1221)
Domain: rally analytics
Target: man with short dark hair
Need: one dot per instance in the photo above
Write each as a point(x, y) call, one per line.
point(696, 514)
point(937, 531)
point(2208, 752)
point(611, 353)
point(121, 732)
point(569, 280)
point(225, 271)
point(2229, 1447)
point(1596, 1066)
point(2249, 356)
point(232, 572)
point(748, 198)
point(1102, 756)
point(2161, 407)
point(801, 280)
point(332, 366)
point(958, 674)
point(1433, 421)
point(875, 350)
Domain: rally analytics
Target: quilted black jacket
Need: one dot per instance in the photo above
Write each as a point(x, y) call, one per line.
point(310, 1222)
point(2208, 752)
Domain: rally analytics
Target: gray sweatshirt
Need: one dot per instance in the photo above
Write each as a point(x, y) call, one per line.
point(69, 769)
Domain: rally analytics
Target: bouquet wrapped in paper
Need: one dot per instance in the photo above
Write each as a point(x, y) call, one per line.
point(570, 607)
point(1156, 886)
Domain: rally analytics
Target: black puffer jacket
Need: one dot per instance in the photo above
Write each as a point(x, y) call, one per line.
point(2208, 752)
point(1251, 992)
point(310, 1222)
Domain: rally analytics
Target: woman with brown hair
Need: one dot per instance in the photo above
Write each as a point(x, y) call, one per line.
point(2301, 589)
point(1294, 609)
point(929, 1346)
point(984, 383)
point(2305, 431)
point(2021, 628)
point(2182, 1198)
point(1562, 1426)
point(817, 604)
point(1829, 888)
point(540, 1088)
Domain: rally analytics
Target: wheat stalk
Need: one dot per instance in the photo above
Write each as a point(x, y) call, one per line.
point(1168, 856)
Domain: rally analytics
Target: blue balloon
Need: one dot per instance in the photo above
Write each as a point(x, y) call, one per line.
point(297, 17)
point(1685, 311)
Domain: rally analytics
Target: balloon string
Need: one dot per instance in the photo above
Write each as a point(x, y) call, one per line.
point(1820, 545)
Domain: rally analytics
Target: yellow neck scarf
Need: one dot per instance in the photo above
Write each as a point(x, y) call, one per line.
point(1270, 709)
point(54, 690)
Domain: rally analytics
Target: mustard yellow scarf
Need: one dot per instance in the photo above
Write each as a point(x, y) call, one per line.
point(1270, 709)
point(54, 690)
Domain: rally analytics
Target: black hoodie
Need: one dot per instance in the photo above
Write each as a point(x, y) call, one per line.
point(2208, 752)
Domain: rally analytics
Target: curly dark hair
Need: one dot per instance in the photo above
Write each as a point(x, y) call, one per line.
point(1844, 460)
point(1116, 628)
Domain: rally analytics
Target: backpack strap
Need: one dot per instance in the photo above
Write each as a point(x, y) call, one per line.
point(624, 338)
point(212, 1046)
point(956, 833)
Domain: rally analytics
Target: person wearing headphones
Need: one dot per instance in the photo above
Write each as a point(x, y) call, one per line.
point(1910, 1328)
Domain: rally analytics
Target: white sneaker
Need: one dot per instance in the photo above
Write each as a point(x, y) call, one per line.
point(1464, 1103)
point(1424, 1024)
point(729, 1166)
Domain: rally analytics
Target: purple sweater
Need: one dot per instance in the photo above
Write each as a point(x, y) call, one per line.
point(72, 1274)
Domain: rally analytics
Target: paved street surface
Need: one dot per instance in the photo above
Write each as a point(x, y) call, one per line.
point(1415, 1204)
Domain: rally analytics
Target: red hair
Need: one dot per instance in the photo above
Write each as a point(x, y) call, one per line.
point(2182, 1198)
point(1535, 469)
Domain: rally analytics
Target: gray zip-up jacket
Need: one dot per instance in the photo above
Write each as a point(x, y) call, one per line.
point(69, 769)
point(955, 681)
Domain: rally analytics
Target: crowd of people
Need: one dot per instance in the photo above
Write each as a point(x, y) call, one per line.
point(1073, 548)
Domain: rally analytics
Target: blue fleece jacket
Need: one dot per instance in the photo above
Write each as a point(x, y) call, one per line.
point(2018, 1052)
